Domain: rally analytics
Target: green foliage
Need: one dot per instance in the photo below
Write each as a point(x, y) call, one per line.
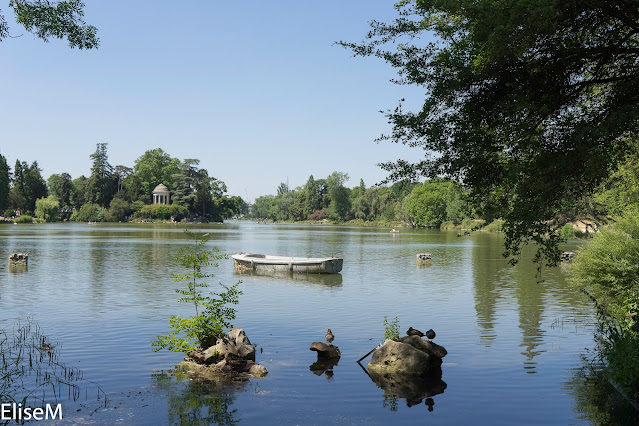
point(391, 329)
point(521, 102)
point(47, 209)
point(90, 213)
point(607, 268)
point(212, 313)
point(155, 167)
point(53, 20)
point(61, 186)
point(340, 203)
point(25, 218)
point(118, 210)
point(164, 212)
point(433, 202)
point(4, 183)
point(101, 186)
point(261, 207)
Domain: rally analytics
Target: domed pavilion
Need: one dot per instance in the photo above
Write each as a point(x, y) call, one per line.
point(161, 195)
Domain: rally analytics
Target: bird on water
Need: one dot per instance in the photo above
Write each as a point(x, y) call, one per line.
point(430, 334)
point(329, 336)
point(413, 332)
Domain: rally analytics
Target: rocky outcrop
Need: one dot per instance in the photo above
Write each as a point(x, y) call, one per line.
point(19, 259)
point(398, 357)
point(235, 342)
point(325, 351)
point(425, 346)
point(232, 354)
point(412, 356)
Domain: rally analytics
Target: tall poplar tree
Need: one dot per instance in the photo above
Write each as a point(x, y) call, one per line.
point(5, 182)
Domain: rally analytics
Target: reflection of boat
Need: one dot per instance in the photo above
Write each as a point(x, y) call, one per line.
point(321, 265)
point(326, 279)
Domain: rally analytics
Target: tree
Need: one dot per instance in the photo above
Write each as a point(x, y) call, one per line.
point(529, 104)
point(261, 207)
point(212, 315)
point(79, 195)
point(340, 203)
point(184, 183)
point(59, 20)
point(155, 167)
point(48, 209)
point(426, 205)
point(101, 186)
point(118, 210)
point(312, 201)
point(61, 186)
point(5, 181)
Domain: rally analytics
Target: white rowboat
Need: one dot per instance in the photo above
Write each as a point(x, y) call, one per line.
point(317, 265)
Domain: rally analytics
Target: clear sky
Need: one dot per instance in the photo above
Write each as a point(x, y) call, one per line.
point(256, 90)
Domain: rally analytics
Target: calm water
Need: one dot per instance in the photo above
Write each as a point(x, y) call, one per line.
point(103, 292)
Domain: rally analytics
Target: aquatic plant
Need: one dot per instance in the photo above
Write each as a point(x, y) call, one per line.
point(212, 313)
point(31, 372)
point(391, 329)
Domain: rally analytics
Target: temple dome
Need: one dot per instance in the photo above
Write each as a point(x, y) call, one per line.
point(161, 188)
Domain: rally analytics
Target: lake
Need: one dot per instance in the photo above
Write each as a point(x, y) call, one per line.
point(103, 292)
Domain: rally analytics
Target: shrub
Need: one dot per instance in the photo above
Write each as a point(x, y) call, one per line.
point(164, 211)
point(212, 315)
point(607, 268)
point(319, 215)
point(118, 210)
point(25, 218)
point(89, 212)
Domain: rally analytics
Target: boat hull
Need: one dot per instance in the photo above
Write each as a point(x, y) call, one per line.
point(326, 265)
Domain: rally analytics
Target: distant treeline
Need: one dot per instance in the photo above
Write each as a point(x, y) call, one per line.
point(117, 193)
point(420, 204)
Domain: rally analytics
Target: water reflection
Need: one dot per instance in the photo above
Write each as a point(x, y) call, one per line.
point(329, 280)
point(411, 388)
point(489, 270)
point(196, 402)
point(324, 366)
point(596, 400)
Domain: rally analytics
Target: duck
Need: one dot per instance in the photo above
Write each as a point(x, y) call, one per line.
point(413, 332)
point(330, 336)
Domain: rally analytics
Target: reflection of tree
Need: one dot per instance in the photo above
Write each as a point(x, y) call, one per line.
point(530, 297)
point(596, 400)
point(192, 402)
point(488, 269)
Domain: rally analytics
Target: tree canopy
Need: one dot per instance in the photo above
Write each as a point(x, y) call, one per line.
point(530, 105)
point(47, 20)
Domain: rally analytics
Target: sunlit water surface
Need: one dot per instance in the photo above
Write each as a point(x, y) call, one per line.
point(103, 292)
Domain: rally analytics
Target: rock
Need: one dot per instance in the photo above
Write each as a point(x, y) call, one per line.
point(219, 351)
point(424, 257)
point(245, 349)
point(258, 371)
point(399, 357)
point(425, 345)
point(236, 343)
point(19, 259)
point(325, 351)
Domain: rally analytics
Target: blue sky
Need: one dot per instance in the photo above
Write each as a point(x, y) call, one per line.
point(256, 90)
